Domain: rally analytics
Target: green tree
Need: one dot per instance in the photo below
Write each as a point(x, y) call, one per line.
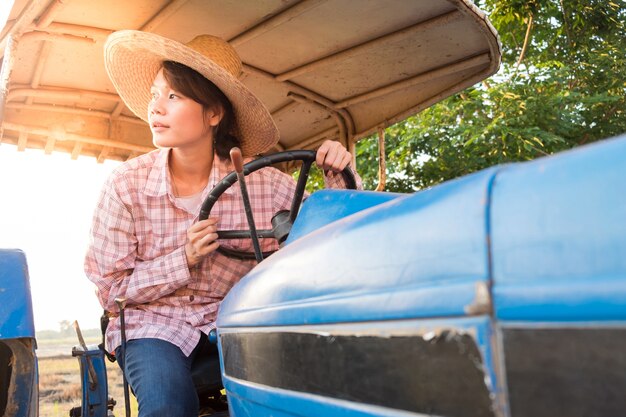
point(65, 328)
point(562, 84)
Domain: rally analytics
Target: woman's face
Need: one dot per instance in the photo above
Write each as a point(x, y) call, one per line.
point(177, 121)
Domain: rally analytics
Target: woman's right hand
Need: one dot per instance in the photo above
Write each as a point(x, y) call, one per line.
point(201, 240)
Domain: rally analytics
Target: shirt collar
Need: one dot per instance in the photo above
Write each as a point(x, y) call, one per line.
point(158, 181)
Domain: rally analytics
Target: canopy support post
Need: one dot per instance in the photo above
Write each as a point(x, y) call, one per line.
point(382, 161)
point(8, 62)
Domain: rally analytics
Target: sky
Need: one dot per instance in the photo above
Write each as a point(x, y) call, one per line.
point(5, 9)
point(46, 206)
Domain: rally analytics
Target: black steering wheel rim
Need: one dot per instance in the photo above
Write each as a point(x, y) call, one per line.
point(306, 156)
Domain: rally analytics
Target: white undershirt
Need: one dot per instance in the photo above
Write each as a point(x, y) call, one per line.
point(191, 203)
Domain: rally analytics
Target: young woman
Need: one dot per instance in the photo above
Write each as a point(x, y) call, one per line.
point(147, 245)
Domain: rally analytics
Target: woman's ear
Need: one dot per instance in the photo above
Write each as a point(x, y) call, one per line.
point(214, 116)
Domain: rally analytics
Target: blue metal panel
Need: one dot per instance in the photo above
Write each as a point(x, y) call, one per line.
point(250, 399)
point(559, 236)
point(95, 395)
point(420, 256)
point(16, 307)
point(327, 206)
point(260, 401)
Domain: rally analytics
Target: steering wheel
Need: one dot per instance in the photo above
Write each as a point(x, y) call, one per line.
point(281, 221)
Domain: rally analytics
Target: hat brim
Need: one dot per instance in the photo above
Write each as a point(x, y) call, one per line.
point(133, 59)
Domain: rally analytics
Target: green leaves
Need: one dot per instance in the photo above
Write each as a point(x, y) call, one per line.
point(568, 89)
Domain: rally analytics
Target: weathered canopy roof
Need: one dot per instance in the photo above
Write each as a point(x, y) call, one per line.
point(336, 69)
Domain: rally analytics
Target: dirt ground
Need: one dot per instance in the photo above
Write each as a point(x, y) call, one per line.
point(59, 384)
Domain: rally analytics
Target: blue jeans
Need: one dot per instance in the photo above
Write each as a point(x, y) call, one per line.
point(160, 376)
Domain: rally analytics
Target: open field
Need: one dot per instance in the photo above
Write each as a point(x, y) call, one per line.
point(59, 380)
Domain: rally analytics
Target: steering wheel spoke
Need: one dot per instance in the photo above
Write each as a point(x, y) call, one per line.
point(244, 234)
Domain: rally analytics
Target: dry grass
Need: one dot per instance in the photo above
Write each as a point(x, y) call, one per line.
point(60, 390)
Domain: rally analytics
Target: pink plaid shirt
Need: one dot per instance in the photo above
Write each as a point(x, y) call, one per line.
point(137, 248)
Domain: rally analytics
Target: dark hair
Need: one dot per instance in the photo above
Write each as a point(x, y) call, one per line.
point(197, 87)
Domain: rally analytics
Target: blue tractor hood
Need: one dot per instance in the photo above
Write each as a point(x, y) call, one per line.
point(412, 256)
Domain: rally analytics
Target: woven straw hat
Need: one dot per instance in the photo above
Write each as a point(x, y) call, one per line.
point(133, 58)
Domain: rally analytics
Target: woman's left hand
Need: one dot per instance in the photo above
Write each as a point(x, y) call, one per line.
point(332, 156)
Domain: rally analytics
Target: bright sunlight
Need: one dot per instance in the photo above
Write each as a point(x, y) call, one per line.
point(46, 210)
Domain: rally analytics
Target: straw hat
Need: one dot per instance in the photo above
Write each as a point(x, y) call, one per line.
point(133, 58)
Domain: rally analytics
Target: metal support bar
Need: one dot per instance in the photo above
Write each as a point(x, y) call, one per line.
point(441, 20)
point(5, 74)
point(463, 83)
point(343, 136)
point(275, 21)
point(163, 15)
point(22, 141)
point(20, 24)
point(298, 89)
point(424, 77)
point(291, 105)
point(118, 110)
point(50, 142)
point(103, 154)
point(75, 112)
point(77, 138)
point(77, 31)
point(21, 90)
point(382, 161)
point(41, 35)
point(48, 16)
point(41, 62)
point(76, 150)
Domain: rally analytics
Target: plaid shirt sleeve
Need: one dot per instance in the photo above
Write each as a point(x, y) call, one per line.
point(112, 263)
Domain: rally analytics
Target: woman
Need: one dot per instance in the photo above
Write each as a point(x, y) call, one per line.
point(147, 245)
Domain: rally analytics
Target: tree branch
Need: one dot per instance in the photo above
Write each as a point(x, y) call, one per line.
point(566, 25)
point(526, 38)
point(570, 40)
